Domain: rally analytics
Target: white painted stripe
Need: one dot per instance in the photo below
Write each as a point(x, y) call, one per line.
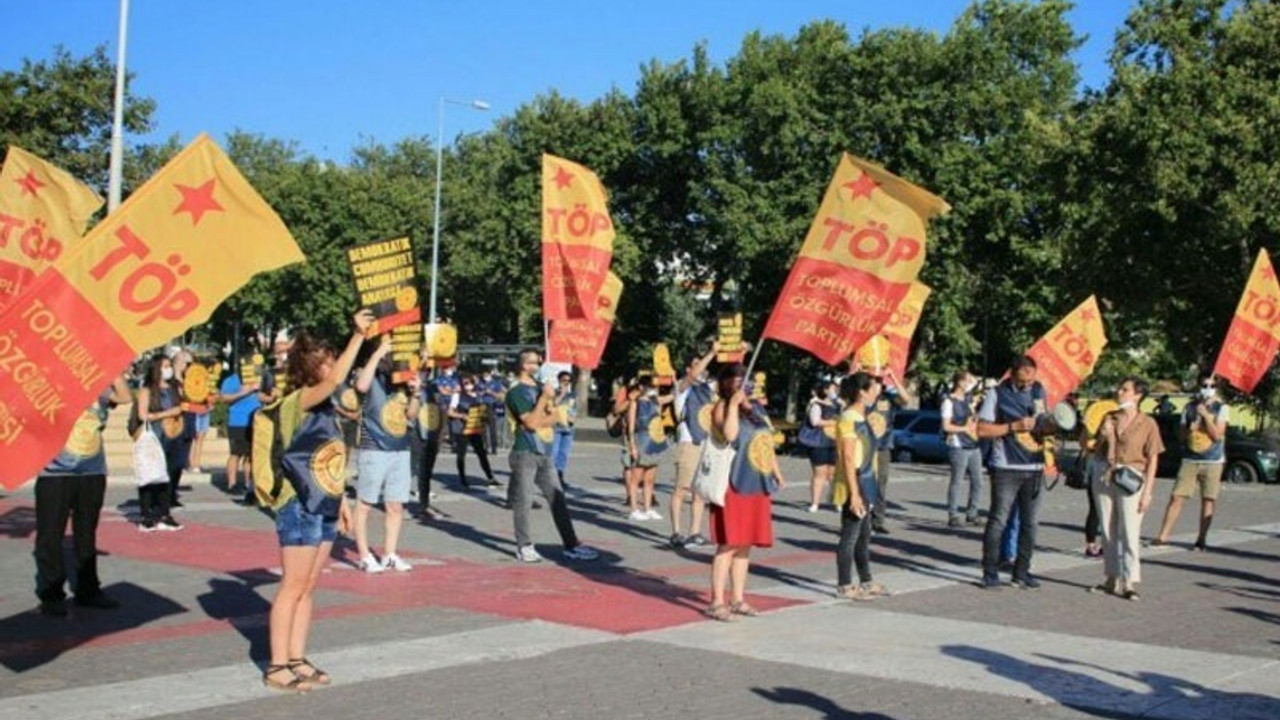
point(1154, 682)
point(215, 687)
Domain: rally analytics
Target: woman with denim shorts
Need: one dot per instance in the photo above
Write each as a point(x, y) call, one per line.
point(307, 522)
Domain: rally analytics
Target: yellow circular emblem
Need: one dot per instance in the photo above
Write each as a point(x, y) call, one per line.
point(349, 400)
point(195, 383)
point(657, 431)
point(760, 452)
point(406, 299)
point(546, 434)
point(85, 440)
point(704, 417)
point(1198, 441)
point(173, 427)
point(393, 418)
point(329, 467)
point(877, 423)
point(429, 417)
point(1028, 441)
point(562, 414)
point(829, 431)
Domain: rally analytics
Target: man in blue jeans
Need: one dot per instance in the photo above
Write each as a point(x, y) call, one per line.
point(1008, 417)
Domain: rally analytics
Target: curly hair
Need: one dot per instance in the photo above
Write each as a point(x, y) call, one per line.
point(306, 357)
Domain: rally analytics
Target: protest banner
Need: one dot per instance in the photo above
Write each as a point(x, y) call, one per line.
point(892, 345)
point(577, 239)
point(1066, 355)
point(729, 338)
point(582, 342)
point(406, 352)
point(1254, 335)
point(386, 279)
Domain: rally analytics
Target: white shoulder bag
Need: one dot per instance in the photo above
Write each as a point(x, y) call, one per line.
point(711, 479)
point(148, 458)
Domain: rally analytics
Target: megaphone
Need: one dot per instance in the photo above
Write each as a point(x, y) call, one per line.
point(1063, 418)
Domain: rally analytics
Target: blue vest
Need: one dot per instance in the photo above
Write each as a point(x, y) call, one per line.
point(752, 471)
point(171, 431)
point(651, 434)
point(383, 425)
point(497, 384)
point(83, 453)
point(1216, 451)
point(879, 417)
point(961, 411)
point(867, 485)
point(697, 412)
point(816, 437)
point(1011, 405)
point(315, 461)
point(566, 413)
point(430, 420)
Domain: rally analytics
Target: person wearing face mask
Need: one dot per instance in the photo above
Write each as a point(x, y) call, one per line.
point(467, 413)
point(1127, 439)
point(647, 441)
point(1204, 432)
point(960, 424)
point(817, 433)
point(1007, 418)
point(383, 464)
point(566, 416)
point(493, 390)
point(160, 412)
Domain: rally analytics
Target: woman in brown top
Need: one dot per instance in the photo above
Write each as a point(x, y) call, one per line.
point(1129, 440)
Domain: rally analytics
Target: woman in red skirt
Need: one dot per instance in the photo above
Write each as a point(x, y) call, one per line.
point(746, 519)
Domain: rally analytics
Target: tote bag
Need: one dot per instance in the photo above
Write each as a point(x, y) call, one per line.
point(148, 459)
point(711, 479)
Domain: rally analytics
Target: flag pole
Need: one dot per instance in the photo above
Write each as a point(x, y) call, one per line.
point(755, 353)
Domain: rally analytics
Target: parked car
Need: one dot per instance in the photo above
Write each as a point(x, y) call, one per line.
point(917, 436)
point(1249, 459)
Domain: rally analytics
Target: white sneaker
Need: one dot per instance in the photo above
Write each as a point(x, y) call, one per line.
point(527, 554)
point(582, 552)
point(638, 515)
point(653, 514)
point(393, 562)
point(813, 508)
point(370, 564)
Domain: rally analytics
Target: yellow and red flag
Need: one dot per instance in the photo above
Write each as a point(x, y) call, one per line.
point(1254, 335)
point(582, 342)
point(43, 212)
point(897, 333)
point(1066, 355)
point(192, 235)
point(865, 247)
point(577, 239)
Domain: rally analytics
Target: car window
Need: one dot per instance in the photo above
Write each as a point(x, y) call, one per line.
point(902, 420)
point(927, 426)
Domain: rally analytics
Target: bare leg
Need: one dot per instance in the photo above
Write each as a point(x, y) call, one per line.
point(675, 508)
point(818, 483)
point(695, 521)
point(297, 564)
point(720, 572)
point(1207, 507)
point(302, 614)
point(233, 469)
point(394, 519)
point(741, 564)
point(362, 528)
point(1170, 517)
point(632, 478)
point(650, 477)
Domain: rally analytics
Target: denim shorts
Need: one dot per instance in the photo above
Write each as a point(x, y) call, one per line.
point(202, 422)
point(298, 528)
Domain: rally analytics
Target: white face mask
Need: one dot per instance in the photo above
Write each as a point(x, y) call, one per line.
point(1126, 404)
point(833, 394)
point(653, 393)
point(167, 373)
point(1207, 393)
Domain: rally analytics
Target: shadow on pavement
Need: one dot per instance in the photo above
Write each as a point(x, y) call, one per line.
point(814, 701)
point(18, 523)
point(28, 639)
point(237, 601)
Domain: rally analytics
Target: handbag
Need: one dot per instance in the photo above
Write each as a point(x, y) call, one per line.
point(1127, 480)
point(711, 478)
point(149, 465)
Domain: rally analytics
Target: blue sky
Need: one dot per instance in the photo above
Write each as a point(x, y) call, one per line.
point(333, 73)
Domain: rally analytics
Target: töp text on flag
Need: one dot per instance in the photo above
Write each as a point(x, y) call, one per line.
point(192, 235)
point(866, 245)
point(43, 212)
point(1254, 335)
point(1065, 356)
point(577, 239)
point(902, 326)
point(582, 342)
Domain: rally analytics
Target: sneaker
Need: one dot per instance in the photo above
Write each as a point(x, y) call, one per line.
point(175, 502)
point(879, 528)
point(813, 508)
point(99, 600)
point(953, 521)
point(393, 562)
point(1132, 593)
point(168, 524)
point(527, 554)
point(147, 525)
point(581, 552)
point(638, 516)
point(653, 514)
point(370, 564)
point(990, 581)
point(537, 504)
point(1026, 582)
point(696, 540)
point(492, 482)
point(54, 608)
point(973, 520)
point(195, 469)
point(677, 540)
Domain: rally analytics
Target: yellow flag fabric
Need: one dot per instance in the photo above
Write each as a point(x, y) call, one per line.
point(865, 247)
point(897, 332)
point(1254, 335)
point(577, 239)
point(184, 241)
point(43, 212)
point(1066, 355)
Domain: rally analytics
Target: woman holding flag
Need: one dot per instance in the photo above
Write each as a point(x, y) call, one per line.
point(746, 519)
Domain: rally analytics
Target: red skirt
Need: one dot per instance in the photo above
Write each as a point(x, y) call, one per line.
point(744, 520)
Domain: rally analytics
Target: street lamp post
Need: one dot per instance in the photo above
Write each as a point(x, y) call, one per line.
point(114, 173)
point(435, 233)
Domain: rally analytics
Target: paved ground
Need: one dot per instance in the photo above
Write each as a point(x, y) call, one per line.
point(471, 634)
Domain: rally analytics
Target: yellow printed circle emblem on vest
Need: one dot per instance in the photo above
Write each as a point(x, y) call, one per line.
point(760, 452)
point(1198, 441)
point(829, 431)
point(429, 417)
point(704, 417)
point(877, 423)
point(85, 440)
point(349, 400)
point(329, 467)
point(562, 415)
point(657, 431)
point(546, 434)
point(195, 383)
point(172, 427)
point(393, 418)
point(1028, 441)
point(406, 299)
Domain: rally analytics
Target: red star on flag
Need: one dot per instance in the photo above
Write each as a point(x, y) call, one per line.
point(30, 183)
point(197, 201)
point(1088, 315)
point(862, 187)
point(1269, 274)
point(562, 179)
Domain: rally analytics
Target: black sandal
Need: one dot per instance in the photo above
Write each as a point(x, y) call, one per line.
point(316, 675)
point(296, 683)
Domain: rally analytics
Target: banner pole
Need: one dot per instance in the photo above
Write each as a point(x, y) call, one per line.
point(755, 353)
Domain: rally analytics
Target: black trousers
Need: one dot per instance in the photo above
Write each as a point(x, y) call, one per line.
point(430, 449)
point(153, 499)
point(476, 442)
point(59, 498)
